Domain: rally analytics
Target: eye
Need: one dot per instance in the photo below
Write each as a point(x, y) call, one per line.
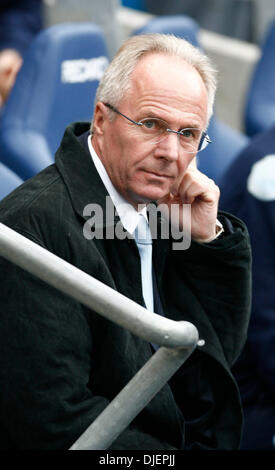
point(187, 133)
point(150, 123)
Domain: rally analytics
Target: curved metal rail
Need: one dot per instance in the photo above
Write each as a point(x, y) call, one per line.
point(177, 338)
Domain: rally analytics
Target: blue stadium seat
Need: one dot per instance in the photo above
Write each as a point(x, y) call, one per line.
point(55, 86)
point(135, 4)
point(260, 103)
point(8, 181)
point(179, 25)
point(227, 142)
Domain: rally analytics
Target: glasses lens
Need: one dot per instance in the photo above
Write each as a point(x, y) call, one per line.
point(205, 140)
point(192, 140)
point(153, 128)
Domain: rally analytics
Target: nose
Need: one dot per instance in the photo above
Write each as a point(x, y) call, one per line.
point(168, 147)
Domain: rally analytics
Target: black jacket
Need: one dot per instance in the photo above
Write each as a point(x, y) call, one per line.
point(61, 363)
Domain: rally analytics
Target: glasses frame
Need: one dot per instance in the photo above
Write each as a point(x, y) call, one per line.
point(204, 136)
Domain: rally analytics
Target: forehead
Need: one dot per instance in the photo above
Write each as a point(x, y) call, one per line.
point(167, 84)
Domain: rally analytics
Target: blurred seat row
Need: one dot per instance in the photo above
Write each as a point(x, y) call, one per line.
point(57, 83)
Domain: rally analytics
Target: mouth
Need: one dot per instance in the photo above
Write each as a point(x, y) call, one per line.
point(159, 175)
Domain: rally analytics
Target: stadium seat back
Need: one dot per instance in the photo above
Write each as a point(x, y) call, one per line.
point(8, 181)
point(55, 86)
point(179, 25)
point(226, 144)
point(135, 4)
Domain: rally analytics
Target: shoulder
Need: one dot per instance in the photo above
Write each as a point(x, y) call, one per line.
point(38, 191)
point(37, 208)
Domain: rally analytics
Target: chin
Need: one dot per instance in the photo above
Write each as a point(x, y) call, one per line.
point(150, 194)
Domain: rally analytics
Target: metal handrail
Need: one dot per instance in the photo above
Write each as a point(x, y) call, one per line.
point(181, 336)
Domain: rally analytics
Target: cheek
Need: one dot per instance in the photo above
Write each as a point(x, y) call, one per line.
point(116, 149)
point(137, 156)
point(127, 163)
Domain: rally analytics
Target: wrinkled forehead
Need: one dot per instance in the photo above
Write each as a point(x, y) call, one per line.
point(157, 73)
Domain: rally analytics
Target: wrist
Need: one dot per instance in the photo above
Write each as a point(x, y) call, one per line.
point(218, 231)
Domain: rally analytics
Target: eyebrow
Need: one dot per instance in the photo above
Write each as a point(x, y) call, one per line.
point(152, 114)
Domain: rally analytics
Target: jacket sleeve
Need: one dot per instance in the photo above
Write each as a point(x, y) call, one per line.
point(219, 276)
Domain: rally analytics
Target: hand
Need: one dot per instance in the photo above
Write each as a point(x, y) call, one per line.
point(202, 194)
point(10, 63)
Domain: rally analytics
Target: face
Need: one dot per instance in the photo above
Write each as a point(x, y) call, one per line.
point(164, 87)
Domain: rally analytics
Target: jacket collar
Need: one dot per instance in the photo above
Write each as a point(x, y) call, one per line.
point(80, 176)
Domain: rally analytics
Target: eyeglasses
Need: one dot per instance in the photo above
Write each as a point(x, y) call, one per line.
point(192, 140)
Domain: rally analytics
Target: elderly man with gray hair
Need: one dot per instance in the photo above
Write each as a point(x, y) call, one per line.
point(61, 363)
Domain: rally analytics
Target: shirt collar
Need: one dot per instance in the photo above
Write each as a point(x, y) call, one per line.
point(128, 215)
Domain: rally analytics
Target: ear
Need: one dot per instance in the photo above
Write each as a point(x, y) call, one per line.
point(100, 116)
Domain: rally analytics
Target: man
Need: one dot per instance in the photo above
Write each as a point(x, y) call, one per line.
point(62, 363)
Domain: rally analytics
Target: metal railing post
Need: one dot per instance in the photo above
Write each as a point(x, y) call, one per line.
point(132, 399)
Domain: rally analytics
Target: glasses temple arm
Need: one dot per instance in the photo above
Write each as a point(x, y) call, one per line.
point(118, 112)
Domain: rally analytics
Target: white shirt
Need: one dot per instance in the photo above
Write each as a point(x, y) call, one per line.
point(130, 218)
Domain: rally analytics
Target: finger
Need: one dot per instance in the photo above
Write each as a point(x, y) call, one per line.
point(191, 165)
point(195, 184)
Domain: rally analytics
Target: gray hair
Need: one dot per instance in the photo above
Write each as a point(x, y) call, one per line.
point(116, 81)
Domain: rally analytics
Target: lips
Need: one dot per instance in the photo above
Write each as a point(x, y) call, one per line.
point(158, 174)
